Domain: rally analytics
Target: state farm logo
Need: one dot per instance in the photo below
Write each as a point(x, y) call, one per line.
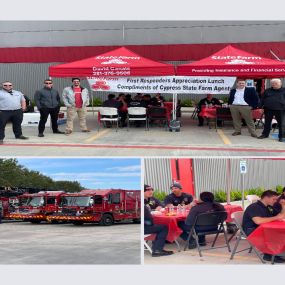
point(114, 61)
point(239, 61)
point(100, 84)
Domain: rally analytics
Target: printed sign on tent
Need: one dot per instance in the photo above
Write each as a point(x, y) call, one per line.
point(163, 84)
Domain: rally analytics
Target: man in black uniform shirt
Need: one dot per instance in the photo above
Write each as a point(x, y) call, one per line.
point(161, 232)
point(177, 197)
point(209, 100)
point(262, 212)
point(149, 200)
point(204, 205)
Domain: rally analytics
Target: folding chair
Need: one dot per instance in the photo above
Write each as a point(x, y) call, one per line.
point(137, 114)
point(146, 246)
point(108, 114)
point(238, 217)
point(223, 114)
point(212, 219)
point(158, 114)
point(195, 112)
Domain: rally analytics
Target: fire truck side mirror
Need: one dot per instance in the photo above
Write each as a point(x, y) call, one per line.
point(91, 202)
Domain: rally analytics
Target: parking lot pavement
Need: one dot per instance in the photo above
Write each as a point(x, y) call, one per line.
point(213, 256)
point(190, 141)
point(25, 243)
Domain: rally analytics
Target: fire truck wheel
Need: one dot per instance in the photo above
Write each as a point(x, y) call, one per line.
point(106, 220)
point(35, 221)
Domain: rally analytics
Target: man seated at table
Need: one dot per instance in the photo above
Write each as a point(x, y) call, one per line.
point(149, 200)
point(161, 232)
point(177, 197)
point(262, 212)
point(210, 101)
point(111, 102)
point(205, 204)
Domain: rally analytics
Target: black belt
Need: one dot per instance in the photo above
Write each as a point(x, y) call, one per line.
point(240, 105)
point(10, 110)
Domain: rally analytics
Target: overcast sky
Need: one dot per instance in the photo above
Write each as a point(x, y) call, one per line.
point(92, 173)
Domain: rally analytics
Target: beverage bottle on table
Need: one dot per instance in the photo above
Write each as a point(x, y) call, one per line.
point(171, 210)
point(179, 209)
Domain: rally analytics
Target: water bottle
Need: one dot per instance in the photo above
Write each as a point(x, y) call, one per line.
point(171, 210)
point(179, 209)
point(183, 210)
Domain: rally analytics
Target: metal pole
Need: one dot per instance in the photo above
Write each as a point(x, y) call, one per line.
point(123, 34)
point(229, 178)
point(242, 187)
point(174, 105)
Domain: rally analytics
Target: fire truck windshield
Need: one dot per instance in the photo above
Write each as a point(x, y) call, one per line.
point(66, 201)
point(35, 201)
point(82, 201)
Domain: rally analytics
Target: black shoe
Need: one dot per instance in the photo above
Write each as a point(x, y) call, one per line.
point(262, 137)
point(202, 243)
point(277, 259)
point(22, 138)
point(200, 125)
point(58, 132)
point(161, 253)
point(40, 135)
point(280, 139)
point(1, 142)
point(236, 133)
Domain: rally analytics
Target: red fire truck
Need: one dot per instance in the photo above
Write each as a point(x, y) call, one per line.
point(99, 206)
point(12, 198)
point(37, 206)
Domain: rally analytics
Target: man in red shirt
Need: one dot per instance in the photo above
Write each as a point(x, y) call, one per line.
point(76, 99)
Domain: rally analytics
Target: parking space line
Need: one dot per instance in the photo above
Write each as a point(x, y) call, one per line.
point(96, 136)
point(223, 137)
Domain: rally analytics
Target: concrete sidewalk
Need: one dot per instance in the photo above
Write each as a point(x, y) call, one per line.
point(190, 141)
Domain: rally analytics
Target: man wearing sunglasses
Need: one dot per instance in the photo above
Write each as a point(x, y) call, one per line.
point(12, 105)
point(48, 103)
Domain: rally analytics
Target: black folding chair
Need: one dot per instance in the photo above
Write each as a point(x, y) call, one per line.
point(222, 115)
point(213, 220)
point(238, 217)
point(158, 114)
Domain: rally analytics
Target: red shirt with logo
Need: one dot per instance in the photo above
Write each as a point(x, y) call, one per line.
point(78, 98)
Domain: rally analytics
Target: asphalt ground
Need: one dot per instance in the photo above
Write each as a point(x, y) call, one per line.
point(190, 141)
point(25, 243)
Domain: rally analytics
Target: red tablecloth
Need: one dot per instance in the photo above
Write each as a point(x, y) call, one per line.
point(231, 209)
point(171, 221)
point(211, 113)
point(269, 237)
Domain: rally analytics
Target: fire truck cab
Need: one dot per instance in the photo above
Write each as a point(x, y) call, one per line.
point(37, 207)
point(99, 206)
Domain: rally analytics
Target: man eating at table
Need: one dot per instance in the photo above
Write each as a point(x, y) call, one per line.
point(177, 197)
point(205, 204)
point(208, 101)
point(161, 232)
point(149, 200)
point(262, 212)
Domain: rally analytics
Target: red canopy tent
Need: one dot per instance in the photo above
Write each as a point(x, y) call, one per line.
point(231, 61)
point(120, 62)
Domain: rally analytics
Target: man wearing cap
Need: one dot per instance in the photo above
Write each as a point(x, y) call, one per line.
point(177, 197)
point(205, 204)
point(76, 99)
point(149, 200)
point(12, 105)
point(242, 100)
point(161, 232)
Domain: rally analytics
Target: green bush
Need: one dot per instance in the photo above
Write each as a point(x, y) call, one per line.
point(159, 195)
point(236, 195)
point(187, 103)
point(220, 196)
point(279, 189)
point(96, 102)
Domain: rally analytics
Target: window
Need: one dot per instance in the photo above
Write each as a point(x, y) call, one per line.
point(98, 200)
point(51, 201)
point(116, 198)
